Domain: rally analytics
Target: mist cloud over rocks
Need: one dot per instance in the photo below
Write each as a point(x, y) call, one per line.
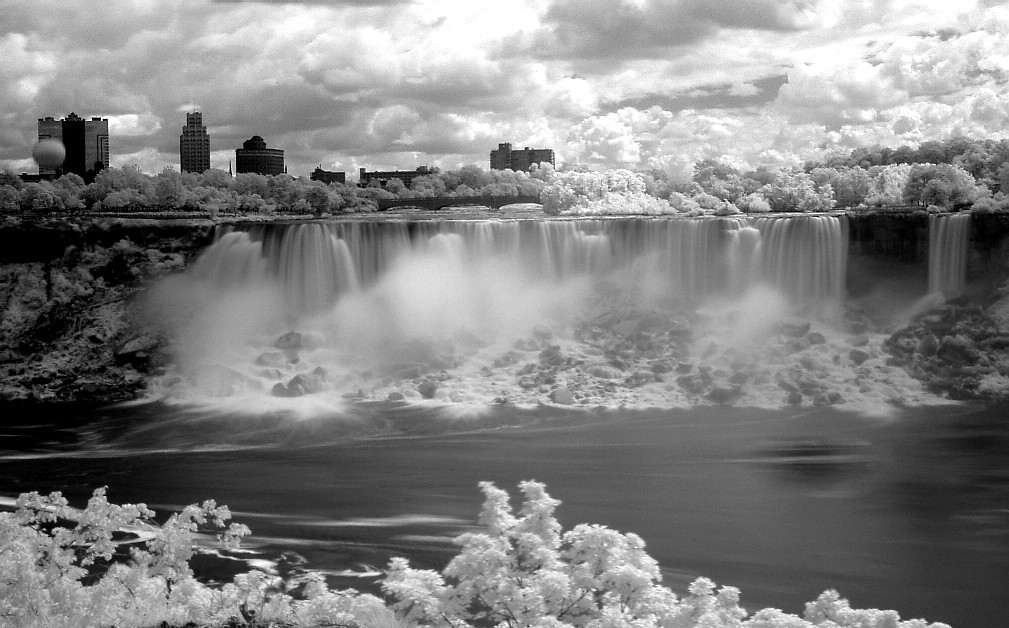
point(605, 83)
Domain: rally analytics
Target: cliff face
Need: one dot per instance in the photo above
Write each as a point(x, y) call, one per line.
point(71, 326)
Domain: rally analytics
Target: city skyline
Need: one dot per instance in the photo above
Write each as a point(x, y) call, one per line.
point(605, 83)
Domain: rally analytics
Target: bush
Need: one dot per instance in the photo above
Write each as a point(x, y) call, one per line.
point(112, 565)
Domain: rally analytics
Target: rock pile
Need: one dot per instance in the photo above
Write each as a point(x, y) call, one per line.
point(958, 349)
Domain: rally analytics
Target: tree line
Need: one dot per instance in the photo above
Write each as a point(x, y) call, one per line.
point(955, 174)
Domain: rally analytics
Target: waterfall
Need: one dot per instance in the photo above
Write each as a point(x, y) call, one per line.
point(684, 260)
point(948, 236)
point(359, 305)
point(805, 257)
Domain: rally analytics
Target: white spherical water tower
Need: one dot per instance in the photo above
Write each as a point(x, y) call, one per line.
point(49, 153)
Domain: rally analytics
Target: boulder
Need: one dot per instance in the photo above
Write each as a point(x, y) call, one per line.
point(396, 396)
point(508, 359)
point(662, 367)
point(928, 345)
point(552, 356)
point(858, 356)
point(694, 383)
point(723, 394)
point(562, 396)
point(816, 338)
point(301, 384)
point(427, 389)
point(794, 329)
point(136, 352)
point(958, 350)
point(858, 341)
point(291, 341)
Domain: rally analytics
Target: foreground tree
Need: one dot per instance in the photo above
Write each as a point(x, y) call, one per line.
point(522, 570)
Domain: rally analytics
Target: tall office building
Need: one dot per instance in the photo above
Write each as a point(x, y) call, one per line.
point(86, 143)
point(194, 145)
point(254, 156)
point(504, 158)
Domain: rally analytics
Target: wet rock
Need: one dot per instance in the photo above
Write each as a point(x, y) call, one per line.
point(289, 341)
point(928, 345)
point(301, 384)
point(902, 343)
point(816, 338)
point(724, 394)
point(137, 352)
point(693, 383)
point(827, 399)
point(798, 345)
point(552, 356)
point(509, 359)
point(958, 350)
point(662, 367)
point(427, 389)
point(858, 326)
point(562, 396)
point(858, 341)
point(858, 356)
point(794, 329)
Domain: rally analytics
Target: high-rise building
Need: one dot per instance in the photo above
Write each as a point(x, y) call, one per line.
point(385, 176)
point(254, 156)
point(86, 143)
point(194, 145)
point(504, 158)
point(328, 176)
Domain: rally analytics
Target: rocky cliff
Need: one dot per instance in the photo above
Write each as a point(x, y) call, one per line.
point(72, 327)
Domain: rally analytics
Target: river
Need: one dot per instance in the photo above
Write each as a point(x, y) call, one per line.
point(909, 512)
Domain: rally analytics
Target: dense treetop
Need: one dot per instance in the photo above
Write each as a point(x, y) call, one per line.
point(952, 175)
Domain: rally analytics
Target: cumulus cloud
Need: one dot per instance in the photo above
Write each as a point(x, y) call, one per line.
point(835, 95)
point(608, 83)
point(628, 29)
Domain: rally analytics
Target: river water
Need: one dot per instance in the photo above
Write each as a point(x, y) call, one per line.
point(910, 512)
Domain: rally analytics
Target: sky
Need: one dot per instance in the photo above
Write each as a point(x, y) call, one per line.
point(395, 84)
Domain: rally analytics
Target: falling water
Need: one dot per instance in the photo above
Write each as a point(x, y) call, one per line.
point(373, 298)
point(687, 260)
point(948, 237)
